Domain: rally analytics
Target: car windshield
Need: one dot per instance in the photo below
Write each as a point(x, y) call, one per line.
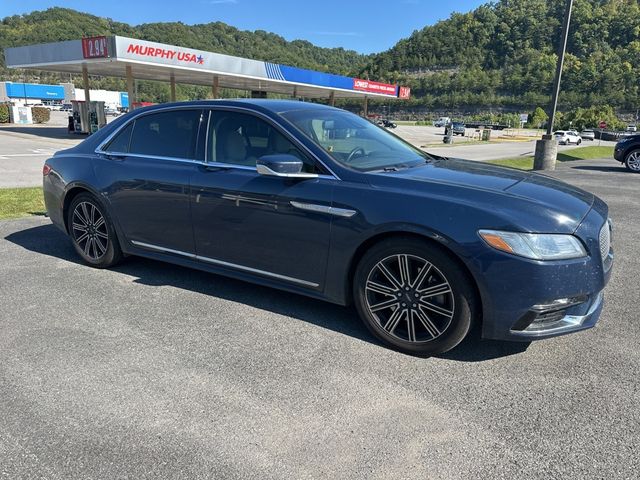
point(354, 141)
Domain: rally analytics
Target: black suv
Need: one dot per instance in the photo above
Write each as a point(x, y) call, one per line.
point(627, 151)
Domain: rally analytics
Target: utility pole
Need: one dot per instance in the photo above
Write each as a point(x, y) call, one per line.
point(547, 148)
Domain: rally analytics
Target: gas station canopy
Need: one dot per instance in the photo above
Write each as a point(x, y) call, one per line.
point(130, 58)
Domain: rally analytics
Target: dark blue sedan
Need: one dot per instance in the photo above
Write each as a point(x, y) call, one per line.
point(320, 202)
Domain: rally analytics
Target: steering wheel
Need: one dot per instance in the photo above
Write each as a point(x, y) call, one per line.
point(358, 150)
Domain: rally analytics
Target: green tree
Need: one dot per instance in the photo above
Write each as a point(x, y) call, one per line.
point(538, 118)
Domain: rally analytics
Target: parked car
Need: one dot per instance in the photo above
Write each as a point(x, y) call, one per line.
point(66, 107)
point(567, 137)
point(442, 122)
point(588, 134)
point(632, 128)
point(458, 128)
point(111, 111)
point(269, 192)
point(627, 152)
point(388, 124)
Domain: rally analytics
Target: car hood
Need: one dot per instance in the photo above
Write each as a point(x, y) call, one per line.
point(519, 193)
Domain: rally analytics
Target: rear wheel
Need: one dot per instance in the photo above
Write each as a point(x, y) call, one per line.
point(413, 296)
point(92, 232)
point(632, 161)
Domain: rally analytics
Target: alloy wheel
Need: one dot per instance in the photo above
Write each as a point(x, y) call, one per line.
point(633, 161)
point(89, 230)
point(409, 298)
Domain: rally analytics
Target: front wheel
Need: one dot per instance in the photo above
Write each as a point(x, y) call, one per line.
point(578, 142)
point(413, 296)
point(92, 232)
point(632, 161)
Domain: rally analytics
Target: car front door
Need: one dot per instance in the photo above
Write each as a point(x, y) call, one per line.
point(274, 227)
point(145, 171)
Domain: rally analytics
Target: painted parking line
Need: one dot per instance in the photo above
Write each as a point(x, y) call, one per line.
point(7, 156)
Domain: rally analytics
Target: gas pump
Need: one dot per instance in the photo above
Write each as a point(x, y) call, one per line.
point(448, 133)
point(88, 117)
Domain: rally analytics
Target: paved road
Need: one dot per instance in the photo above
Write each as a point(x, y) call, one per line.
point(155, 371)
point(23, 150)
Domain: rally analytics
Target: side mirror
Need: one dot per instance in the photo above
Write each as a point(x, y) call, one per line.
point(282, 165)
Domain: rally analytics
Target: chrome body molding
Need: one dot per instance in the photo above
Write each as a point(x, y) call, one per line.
point(221, 263)
point(566, 324)
point(313, 207)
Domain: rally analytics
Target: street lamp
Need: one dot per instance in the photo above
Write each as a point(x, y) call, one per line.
point(547, 148)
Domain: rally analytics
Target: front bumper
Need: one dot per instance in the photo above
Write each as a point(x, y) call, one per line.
point(618, 153)
point(527, 300)
point(573, 319)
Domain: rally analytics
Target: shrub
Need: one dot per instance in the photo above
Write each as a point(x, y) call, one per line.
point(4, 114)
point(40, 114)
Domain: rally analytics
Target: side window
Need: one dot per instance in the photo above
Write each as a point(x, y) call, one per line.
point(120, 143)
point(240, 139)
point(167, 134)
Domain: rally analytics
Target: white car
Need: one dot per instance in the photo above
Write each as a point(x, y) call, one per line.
point(567, 137)
point(632, 128)
point(588, 134)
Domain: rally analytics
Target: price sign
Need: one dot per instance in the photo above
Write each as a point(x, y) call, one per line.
point(95, 47)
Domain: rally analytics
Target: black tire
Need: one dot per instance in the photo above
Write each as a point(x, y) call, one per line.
point(444, 291)
point(632, 161)
point(578, 142)
point(92, 233)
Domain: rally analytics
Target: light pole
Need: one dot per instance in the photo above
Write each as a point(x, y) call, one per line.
point(547, 148)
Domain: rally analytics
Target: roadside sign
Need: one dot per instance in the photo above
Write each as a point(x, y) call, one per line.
point(602, 125)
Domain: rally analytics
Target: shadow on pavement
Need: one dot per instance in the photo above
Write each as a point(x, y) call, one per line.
point(48, 240)
point(597, 168)
point(44, 132)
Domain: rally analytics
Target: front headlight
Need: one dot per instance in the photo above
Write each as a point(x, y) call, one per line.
point(538, 246)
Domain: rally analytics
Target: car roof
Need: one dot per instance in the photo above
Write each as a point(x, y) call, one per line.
point(275, 106)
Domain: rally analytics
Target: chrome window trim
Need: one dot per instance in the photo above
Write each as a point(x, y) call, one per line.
point(279, 127)
point(99, 150)
point(222, 263)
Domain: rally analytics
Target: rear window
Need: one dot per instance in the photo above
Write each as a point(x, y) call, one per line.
point(167, 134)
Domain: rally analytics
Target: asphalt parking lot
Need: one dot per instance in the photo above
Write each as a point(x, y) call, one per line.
point(155, 371)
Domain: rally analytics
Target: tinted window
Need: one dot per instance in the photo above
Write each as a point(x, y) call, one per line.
point(166, 134)
point(120, 143)
point(241, 139)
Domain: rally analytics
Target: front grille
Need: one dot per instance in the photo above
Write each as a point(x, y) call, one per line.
point(605, 241)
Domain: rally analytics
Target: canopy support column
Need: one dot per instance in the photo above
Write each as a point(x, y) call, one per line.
point(131, 91)
point(332, 99)
point(173, 88)
point(214, 87)
point(85, 84)
point(365, 106)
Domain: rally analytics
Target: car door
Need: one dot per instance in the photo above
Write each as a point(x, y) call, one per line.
point(255, 223)
point(145, 170)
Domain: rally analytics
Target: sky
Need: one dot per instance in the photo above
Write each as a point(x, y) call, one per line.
point(367, 26)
